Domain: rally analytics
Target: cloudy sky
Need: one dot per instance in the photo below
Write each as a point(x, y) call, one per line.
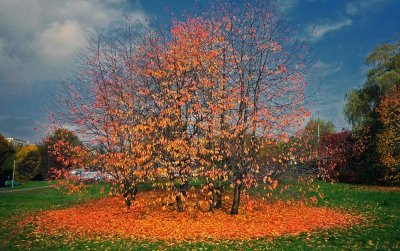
point(38, 39)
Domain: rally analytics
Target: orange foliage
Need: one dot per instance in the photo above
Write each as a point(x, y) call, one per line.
point(198, 98)
point(108, 217)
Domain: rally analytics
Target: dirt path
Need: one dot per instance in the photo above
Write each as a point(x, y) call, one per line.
point(23, 189)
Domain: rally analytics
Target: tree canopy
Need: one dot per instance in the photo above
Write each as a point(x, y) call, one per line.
point(27, 162)
point(383, 75)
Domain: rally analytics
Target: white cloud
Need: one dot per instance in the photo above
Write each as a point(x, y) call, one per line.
point(322, 69)
point(286, 5)
point(330, 108)
point(318, 31)
point(356, 7)
point(38, 38)
point(61, 40)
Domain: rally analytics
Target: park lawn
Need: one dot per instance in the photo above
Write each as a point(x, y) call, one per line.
point(380, 207)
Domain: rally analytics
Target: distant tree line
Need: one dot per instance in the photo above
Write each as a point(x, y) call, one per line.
point(32, 162)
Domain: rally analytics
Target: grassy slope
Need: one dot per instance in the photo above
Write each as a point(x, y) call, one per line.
point(381, 232)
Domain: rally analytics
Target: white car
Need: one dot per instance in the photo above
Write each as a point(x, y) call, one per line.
point(82, 174)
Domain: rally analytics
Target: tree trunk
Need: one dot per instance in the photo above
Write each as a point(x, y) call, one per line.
point(216, 196)
point(130, 193)
point(183, 189)
point(179, 203)
point(236, 198)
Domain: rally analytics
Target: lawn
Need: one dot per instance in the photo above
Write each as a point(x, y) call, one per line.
point(379, 206)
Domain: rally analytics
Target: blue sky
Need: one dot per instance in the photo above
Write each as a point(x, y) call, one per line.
point(38, 39)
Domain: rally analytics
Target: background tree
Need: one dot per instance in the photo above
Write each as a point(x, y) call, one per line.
point(315, 129)
point(27, 163)
point(334, 152)
point(361, 104)
point(7, 156)
point(339, 156)
point(56, 150)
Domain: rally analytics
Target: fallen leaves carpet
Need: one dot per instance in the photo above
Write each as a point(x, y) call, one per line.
point(147, 219)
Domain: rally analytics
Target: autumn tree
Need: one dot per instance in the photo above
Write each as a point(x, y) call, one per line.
point(200, 97)
point(340, 156)
point(389, 137)
point(334, 152)
point(362, 104)
point(252, 89)
point(183, 69)
point(302, 148)
point(56, 148)
point(107, 104)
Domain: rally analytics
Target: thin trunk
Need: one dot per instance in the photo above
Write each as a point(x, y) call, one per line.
point(183, 189)
point(218, 202)
point(182, 192)
point(236, 199)
point(216, 199)
point(218, 194)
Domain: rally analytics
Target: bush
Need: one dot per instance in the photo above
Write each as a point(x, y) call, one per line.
point(9, 183)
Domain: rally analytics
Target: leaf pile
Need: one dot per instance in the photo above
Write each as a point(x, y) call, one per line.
point(150, 219)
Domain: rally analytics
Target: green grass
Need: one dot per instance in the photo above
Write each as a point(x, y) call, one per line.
point(381, 231)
